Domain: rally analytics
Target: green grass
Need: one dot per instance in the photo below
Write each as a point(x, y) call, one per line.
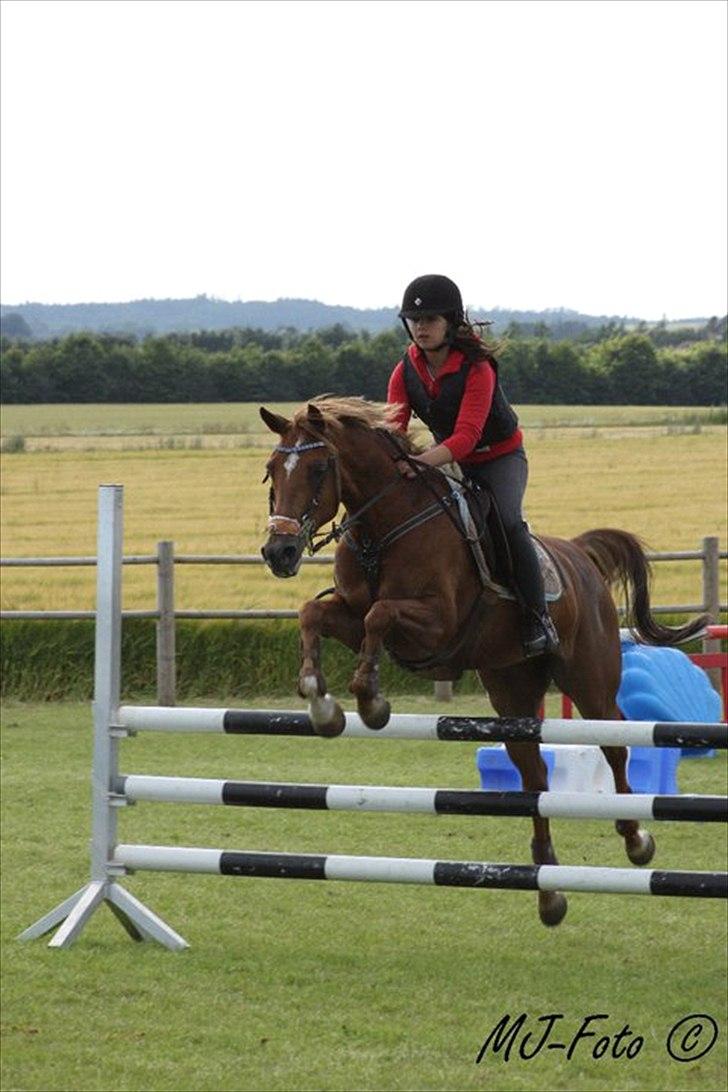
point(334, 986)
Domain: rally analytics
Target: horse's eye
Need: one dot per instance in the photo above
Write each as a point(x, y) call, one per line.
point(316, 473)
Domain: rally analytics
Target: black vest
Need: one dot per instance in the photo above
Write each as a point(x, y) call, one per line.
point(440, 414)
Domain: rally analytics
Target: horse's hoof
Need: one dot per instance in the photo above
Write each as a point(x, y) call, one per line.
point(326, 715)
point(552, 907)
point(331, 728)
point(375, 714)
point(642, 849)
point(334, 725)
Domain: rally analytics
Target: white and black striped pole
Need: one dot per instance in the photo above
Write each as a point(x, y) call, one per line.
point(384, 798)
point(430, 726)
point(477, 874)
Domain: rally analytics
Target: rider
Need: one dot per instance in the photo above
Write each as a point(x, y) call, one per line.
point(449, 379)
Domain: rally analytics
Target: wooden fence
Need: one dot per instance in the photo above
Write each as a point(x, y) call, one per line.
point(165, 560)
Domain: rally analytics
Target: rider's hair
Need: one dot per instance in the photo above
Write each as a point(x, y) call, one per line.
point(470, 338)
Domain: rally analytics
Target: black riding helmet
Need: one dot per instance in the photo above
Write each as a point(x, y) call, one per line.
point(432, 294)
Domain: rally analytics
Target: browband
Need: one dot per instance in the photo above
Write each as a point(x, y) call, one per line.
point(297, 448)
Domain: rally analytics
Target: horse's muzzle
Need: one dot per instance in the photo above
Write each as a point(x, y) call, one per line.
point(282, 554)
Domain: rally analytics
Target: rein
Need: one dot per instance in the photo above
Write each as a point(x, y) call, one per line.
point(367, 552)
point(337, 532)
point(303, 529)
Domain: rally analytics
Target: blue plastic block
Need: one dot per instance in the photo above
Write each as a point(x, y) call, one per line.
point(649, 769)
point(497, 772)
point(653, 769)
point(663, 684)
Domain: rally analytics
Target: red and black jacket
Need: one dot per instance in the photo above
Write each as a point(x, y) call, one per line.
point(441, 412)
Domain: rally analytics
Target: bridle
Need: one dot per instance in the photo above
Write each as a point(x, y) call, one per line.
point(303, 529)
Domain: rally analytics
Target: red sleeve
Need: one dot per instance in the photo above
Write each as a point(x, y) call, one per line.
point(474, 408)
point(397, 392)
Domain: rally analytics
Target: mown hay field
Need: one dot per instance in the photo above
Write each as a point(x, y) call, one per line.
point(47, 425)
point(192, 474)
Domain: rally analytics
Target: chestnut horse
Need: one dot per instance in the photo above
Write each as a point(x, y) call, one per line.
point(406, 581)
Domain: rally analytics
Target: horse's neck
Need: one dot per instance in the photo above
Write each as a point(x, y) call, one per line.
point(367, 467)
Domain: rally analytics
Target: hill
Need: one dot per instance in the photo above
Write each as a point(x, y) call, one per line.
point(141, 318)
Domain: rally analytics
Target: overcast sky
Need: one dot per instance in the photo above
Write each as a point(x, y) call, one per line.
point(543, 154)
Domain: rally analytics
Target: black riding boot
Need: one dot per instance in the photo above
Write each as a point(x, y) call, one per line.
point(538, 632)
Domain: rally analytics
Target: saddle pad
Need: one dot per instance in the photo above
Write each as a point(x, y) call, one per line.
point(553, 588)
point(551, 578)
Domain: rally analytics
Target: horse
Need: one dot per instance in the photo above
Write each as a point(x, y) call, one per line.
point(406, 581)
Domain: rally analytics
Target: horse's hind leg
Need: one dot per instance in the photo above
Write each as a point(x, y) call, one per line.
point(593, 696)
point(639, 843)
point(552, 905)
point(518, 692)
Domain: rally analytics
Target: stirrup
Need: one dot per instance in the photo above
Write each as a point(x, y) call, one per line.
point(540, 636)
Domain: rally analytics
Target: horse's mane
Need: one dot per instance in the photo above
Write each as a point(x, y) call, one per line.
point(341, 410)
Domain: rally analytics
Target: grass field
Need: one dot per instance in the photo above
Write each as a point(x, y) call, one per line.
point(50, 425)
point(336, 986)
point(637, 468)
point(332, 986)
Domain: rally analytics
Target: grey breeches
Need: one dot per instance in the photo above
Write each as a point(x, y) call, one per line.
point(506, 478)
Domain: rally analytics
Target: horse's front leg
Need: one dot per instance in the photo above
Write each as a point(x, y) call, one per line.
point(324, 618)
point(417, 619)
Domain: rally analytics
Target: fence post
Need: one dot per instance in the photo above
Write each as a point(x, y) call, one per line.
point(711, 598)
point(443, 690)
point(166, 669)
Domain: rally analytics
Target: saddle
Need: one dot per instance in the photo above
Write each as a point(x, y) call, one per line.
point(483, 530)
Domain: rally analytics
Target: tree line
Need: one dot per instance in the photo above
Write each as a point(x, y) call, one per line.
point(642, 367)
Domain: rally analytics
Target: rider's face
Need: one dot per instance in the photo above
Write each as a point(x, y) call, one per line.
point(428, 331)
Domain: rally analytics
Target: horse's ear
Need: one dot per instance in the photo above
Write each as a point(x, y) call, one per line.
point(315, 417)
point(274, 422)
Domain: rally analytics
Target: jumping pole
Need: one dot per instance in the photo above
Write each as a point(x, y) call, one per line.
point(110, 790)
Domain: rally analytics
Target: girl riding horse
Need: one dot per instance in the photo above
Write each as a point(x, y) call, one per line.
point(449, 379)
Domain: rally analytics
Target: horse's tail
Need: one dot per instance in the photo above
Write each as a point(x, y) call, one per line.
point(621, 559)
